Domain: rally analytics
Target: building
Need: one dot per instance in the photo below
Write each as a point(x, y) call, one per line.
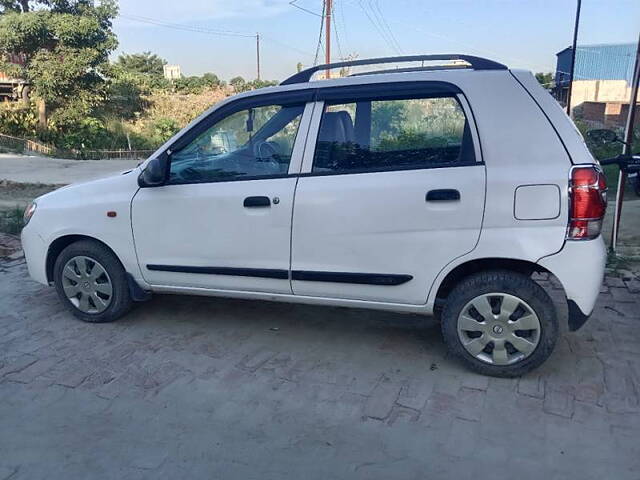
point(172, 72)
point(601, 82)
point(12, 89)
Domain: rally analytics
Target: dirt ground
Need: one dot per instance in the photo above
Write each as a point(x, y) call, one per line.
point(14, 194)
point(55, 171)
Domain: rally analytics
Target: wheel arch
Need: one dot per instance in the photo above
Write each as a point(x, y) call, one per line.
point(60, 243)
point(459, 272)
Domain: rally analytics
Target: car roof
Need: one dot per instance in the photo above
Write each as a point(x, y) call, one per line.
point(441, 75)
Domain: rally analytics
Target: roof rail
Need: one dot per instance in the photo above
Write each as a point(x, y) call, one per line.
point(477, 63)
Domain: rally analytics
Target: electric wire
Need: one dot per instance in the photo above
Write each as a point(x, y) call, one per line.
point(208, 31)
point(375, 26)
point(335, 29)
point(384, 24)
point(315, 59)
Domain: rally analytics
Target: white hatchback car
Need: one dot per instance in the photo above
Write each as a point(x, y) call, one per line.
point(422, 189)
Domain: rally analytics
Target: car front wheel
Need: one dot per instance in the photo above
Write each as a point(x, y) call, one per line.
point(500, 323)
point(91, 282)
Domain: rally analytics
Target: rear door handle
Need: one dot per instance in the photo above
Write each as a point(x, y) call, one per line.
point(443, 195)
point(256, 202)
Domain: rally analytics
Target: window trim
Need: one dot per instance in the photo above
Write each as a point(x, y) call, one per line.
point(300, 143)
point(392, 91)
point(227, 180)
point(473, 127)
point(389, 169)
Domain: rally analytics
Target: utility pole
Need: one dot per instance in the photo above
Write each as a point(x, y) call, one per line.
point(258, 53)
point(327, 30)
point(626, 149)
point(573, 56)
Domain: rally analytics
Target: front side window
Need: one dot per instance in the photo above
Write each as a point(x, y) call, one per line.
point(252, 143)
point(379, 135)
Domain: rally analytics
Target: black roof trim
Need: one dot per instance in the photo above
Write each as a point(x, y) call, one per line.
point(410, 69)
point(389, 91)
point(477, 63)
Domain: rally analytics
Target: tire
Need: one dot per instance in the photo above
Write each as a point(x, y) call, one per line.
point(91, 282)
point(525, 303)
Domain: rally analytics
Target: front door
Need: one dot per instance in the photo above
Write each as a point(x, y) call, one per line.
point(223, 219)
point(393, 192)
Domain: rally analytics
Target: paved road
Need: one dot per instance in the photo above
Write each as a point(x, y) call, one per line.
point(55, 171)
point(189, 387)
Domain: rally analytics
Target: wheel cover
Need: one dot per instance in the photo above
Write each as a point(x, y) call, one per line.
point(499, 328)
point(87, 284)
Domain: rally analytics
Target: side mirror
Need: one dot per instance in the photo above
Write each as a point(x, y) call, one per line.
point(155, 173)
point(603, 136)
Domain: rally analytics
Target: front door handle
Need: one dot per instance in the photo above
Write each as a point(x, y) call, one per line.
point(443, 195)
point(256, 202)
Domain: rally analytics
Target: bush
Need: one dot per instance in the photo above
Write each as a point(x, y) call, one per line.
point(410, 139)
point(83, 133)
point(141, 113)
point(197, 84)
point(602, 151)
point(11, 220)
point(18, 119)
point(164, 129)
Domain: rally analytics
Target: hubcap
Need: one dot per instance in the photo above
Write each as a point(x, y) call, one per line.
point(87, 285)
point(498, 328)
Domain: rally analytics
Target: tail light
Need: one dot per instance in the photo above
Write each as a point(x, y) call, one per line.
point(587, 202)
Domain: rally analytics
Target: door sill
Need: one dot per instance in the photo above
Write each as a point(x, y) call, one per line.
point(425, 309)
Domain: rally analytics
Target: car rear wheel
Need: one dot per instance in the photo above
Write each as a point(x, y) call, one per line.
point(91, 282)
point(500, 323)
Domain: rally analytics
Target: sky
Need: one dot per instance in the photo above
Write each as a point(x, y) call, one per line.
point(219, 35)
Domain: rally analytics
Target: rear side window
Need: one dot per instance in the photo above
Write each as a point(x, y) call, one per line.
point(396, 134)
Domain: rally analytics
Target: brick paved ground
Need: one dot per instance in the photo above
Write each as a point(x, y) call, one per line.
point(188, 387)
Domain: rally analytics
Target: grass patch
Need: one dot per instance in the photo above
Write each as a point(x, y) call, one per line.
point(11, 220)
point(617, 263)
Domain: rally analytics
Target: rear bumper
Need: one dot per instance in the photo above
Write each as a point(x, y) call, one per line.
point(579, 267)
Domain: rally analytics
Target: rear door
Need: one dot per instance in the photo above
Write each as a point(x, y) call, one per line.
point(392, 189)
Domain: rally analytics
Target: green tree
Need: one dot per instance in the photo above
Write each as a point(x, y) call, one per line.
point(211, 80)
point(238, 83)
point(545, 79)
point(65, 45)
point(261, 84)
point(15, 5)
point(145, 63)
point(125, 93)
point(197, 84)
point(387, 118)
